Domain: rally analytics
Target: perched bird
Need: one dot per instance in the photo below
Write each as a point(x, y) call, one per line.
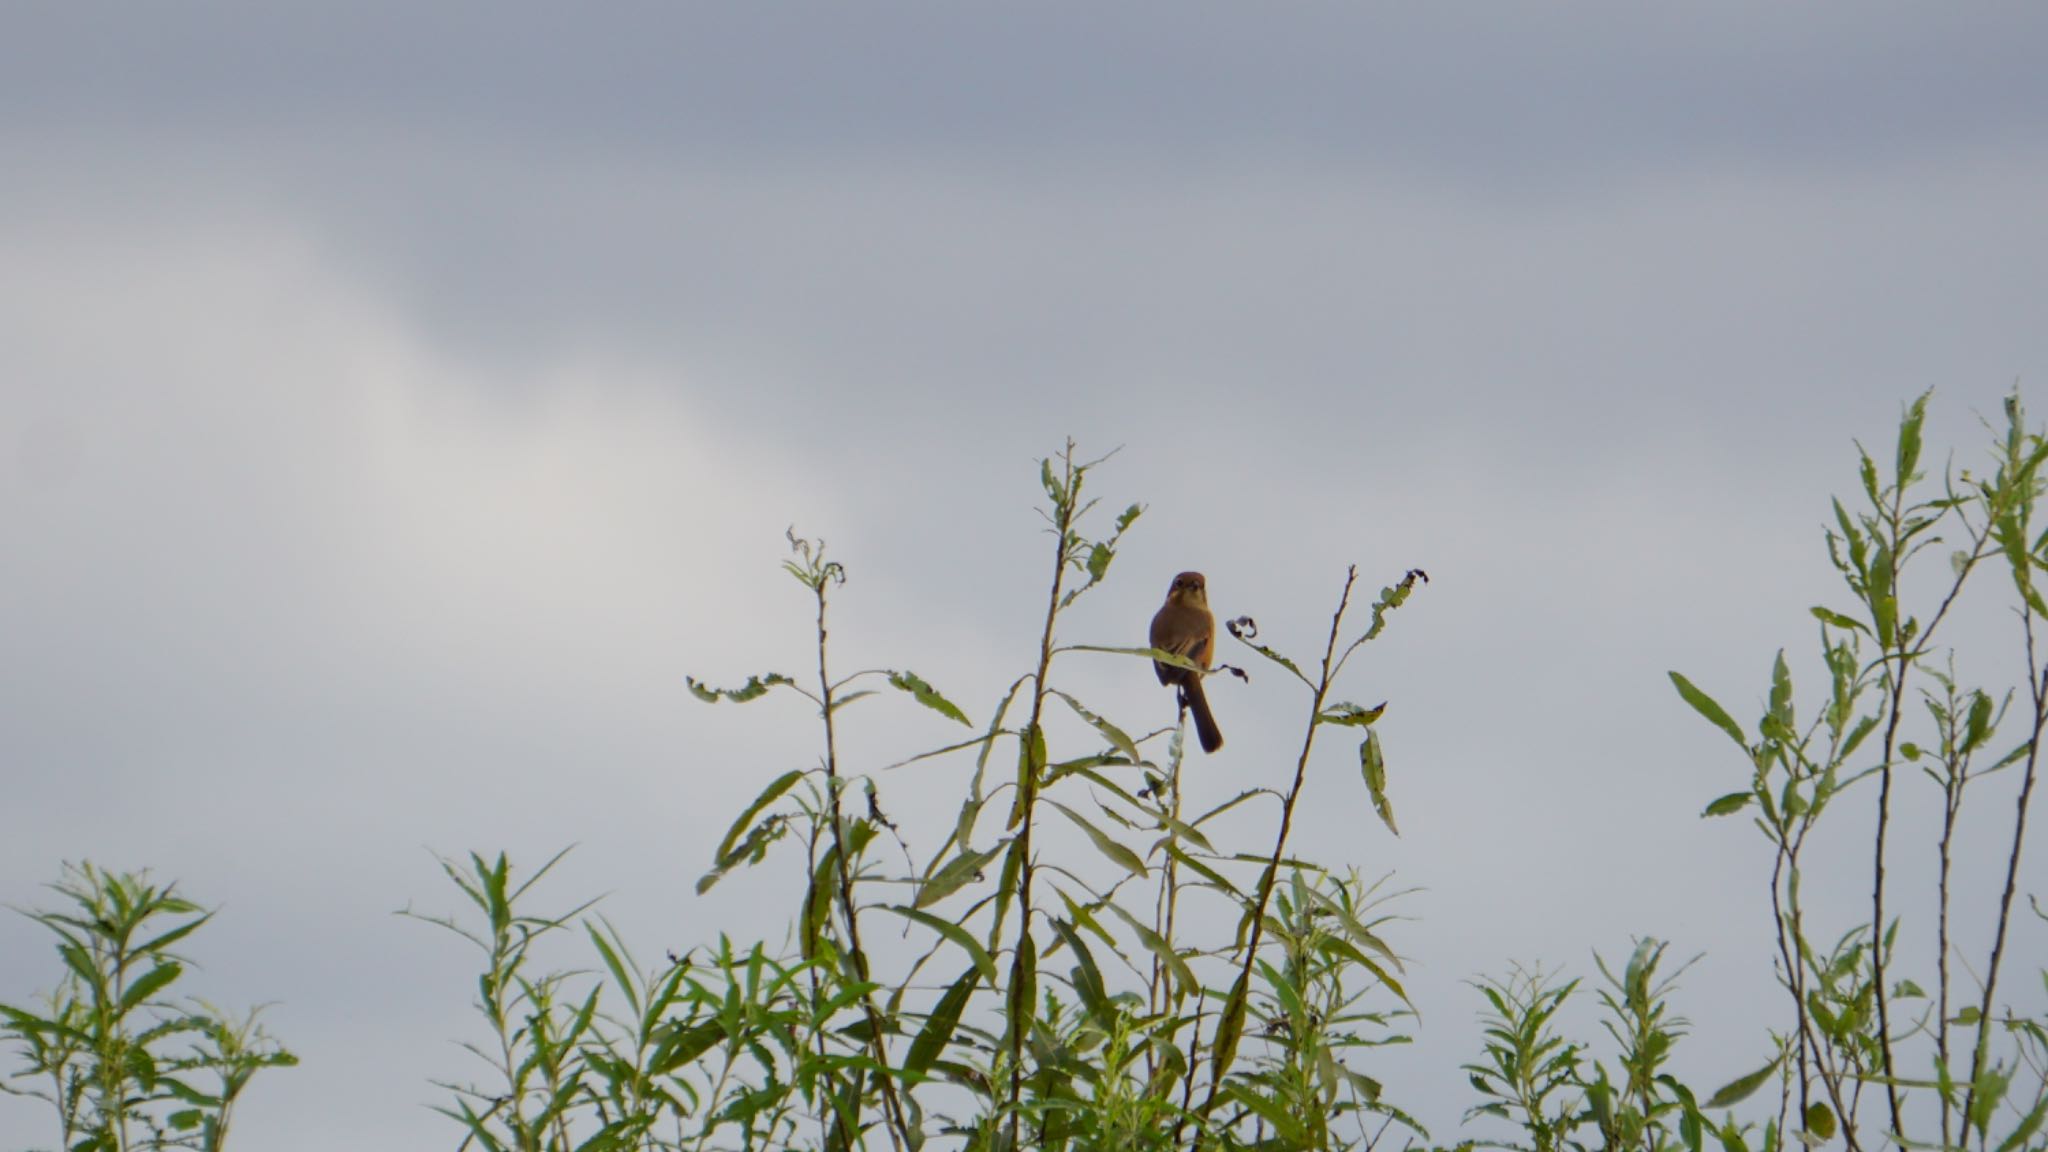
point(1185, 627)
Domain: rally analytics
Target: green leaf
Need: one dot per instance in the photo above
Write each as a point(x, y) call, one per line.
point(1123, 857)
point(938, 1027)
point(2028, 1125)
point(1183, 975)
point(751, 849)
point(839, 702)
point(1031, 759)
point(755, 688)
point(1110, 732)
point(1909, 447)
point(818, 907)
point(983, 963)
point(1978, 728)
point(1087, 976)
point(1737, 1091)
point(1098, 561)
point(1988, 1092)
point(150, 983)
point(957, 872)
point(1285, 1123)
point(1884, 605)
point(1836, 619)
point(1781, 691)
point(1730, 804)
point(1215, 879)
point(1022, 1001)
point(1374, 767)
point(927, 695)
point(1277, 658)
point(1820, 1120)
point(680, 1044)
point(769, 795)
point(1159, 654)
point(1229, 1028)
point(1705, 706)
point(1350, 715)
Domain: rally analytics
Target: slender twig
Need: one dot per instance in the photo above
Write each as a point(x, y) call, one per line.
point(1020, 1014)
point(898, 1128)
point(1900, 664)
point(2038, 684)
point(1951, 804)
point(1894, 709)
point(1235, 1006)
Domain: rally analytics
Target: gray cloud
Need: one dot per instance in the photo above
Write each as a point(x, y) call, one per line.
point(1502, 98)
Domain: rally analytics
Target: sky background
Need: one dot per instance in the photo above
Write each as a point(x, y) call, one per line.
point(398, 401)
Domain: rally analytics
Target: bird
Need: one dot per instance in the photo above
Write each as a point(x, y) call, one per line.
point(1185, 627)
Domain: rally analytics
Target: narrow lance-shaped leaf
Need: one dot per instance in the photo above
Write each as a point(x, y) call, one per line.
point(1229, 1028)
point(927, 695)
point(1884, 604)
point(1158, 946)
point(1374, 766)
point(983, 963)
point(1159, 654)
point(1088, 983)
point(150, 983)
point(957, 872)
point(1285, 1122)
point(1781, 692)
point(939, 1026)
point(1909, 439)
point(1729, 805)
point(1123, 857)
point(1705, 706)
point(1023, 991)
point(1740, 1089)
point(1978, 727)
point(755, 688)
point(769, 795)
point(1836, 619)
point(1270, 654)
point(2028, 1125)
point(1110, 732)
point(1351, 715)
point(1031, 757)
point(1390, 599)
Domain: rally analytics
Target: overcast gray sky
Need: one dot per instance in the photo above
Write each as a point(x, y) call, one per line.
point(397, 401)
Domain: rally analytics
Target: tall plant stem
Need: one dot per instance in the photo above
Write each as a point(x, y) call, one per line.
point(2037, 683)
point(898, 1128)
point(1234, 1005)
point(1020, 1014)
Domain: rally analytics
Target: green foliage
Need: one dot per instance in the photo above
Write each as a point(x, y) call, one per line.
point(1049, 984)
point(1051, 997)
point(1857, 1023)
point(122, 1065)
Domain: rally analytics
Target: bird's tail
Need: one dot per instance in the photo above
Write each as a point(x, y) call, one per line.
point(1205, 723)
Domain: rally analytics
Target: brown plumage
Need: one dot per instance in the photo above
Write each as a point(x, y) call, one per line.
point(1185, 627)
